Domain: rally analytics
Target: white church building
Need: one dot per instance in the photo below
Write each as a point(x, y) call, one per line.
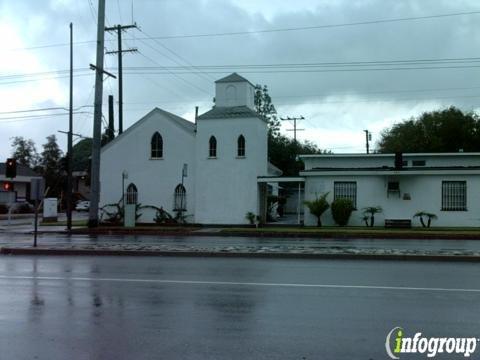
point(208, 169)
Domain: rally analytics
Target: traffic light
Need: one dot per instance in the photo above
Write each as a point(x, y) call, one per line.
point(11, 168)
point(7, 186)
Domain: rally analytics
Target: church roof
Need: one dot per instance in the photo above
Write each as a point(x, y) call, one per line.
point(185, 124)
point(221, 112)
point(234, 77)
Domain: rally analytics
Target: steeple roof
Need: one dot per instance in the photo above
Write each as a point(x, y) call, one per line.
point(234, 77)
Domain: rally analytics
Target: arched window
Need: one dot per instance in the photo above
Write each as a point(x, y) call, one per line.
point(212, 147)
point(156, 146)
point(180, 198)
point(132, 194)
point(241, 146)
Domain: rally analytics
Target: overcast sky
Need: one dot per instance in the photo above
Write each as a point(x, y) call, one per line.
point(338, 100)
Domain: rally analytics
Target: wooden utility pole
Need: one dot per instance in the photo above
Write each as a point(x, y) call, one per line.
point(294, 119)
point(70, 140)
point(111, 125)
point(368, 138)
point(119, 52)
point(97, 119)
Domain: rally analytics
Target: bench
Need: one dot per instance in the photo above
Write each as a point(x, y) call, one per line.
point(398, 223)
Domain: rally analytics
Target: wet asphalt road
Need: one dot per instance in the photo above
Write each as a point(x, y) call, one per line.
point(12, 239)
point(213, 308)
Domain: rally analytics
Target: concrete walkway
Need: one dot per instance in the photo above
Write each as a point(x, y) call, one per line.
point(244, 249)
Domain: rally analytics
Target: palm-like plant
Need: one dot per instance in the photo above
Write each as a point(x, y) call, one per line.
point(429, 217)
point(318, 206)
point(370, 211)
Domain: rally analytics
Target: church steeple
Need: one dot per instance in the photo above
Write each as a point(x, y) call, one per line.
point(234, 90)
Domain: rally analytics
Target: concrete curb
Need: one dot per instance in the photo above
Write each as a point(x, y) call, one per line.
point(286, 234)
point(273, 255)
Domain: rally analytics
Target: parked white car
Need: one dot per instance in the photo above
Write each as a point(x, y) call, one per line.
point(83, 206)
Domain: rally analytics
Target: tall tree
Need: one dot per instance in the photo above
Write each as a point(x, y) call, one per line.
point(447, 130)
point(51, 166)
point(282, 151)
point(266, 109)
point(24, 151)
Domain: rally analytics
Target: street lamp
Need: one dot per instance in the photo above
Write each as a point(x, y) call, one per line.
point(124, 176)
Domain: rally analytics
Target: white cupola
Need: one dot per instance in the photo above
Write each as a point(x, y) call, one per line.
point(234, 90)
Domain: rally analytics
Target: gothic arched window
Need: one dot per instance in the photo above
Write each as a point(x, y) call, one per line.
point(156, 146)
point(132, 194)
point(212, 147)
point(180, 198)
point(241, 146)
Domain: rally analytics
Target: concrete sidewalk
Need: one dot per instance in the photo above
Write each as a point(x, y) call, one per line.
point(296, 251)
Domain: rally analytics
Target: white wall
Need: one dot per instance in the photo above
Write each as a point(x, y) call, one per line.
point(234, 94)
point(425, 192)
point(155, 179)
point(226, 186)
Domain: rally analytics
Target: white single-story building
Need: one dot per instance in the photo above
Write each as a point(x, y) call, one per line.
point(207, 169)
point(445, 184)
point(21, 183)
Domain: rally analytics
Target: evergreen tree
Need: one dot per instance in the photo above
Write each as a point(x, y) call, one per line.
point(24, 151)
point(51, 166)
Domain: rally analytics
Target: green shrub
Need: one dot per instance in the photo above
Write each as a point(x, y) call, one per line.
point(341, 211)
point(317, 207)
point(429, 217)
point(369, 212)
point(250, 216)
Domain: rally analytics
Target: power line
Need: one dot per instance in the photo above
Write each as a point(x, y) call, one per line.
point(31, 117)
point(281, 67)
point(173, 73)
point(301, 28)
point(43, 109)
point(282, 71)
point(316, 27)
point(190, 65)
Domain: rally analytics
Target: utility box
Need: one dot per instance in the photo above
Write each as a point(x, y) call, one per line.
point(50, 213)
point(129, 215)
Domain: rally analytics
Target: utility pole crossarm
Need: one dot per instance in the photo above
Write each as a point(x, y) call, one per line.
point(294, 119)
point(123, 51)
point(93, 67)
point(119, 52)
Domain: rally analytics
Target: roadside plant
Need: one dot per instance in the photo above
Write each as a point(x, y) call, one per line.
point(365, 219)
point(427, 215)
point(317, 207)
point(369, 212)
point(341, 210)
point(250, 216)
point(114, 213)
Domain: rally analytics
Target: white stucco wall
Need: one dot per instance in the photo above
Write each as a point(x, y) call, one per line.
point(234, 94)
point(226, 187)
point(425, 192)
point(155, 179)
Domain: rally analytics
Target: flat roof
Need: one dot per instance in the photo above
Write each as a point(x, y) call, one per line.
point(280, 179)
point(357, 155)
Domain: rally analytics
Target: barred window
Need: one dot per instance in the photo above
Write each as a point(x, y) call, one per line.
point(132, 194)
point(212, 147)
point(345, 190)
point(180, 198)
point(454, 195)
point(241, 146)
point(156, 146)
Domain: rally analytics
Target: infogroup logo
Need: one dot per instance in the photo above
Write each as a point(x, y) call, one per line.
point(397, 343)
